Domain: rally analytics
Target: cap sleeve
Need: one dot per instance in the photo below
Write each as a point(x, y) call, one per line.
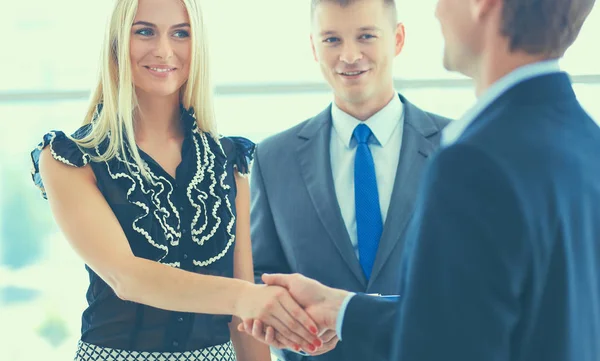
point(62, 149)
point(240, 152)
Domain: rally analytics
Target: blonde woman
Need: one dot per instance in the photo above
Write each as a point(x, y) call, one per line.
point(157, 205)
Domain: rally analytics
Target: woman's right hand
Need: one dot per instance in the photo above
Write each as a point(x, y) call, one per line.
point(274, 306)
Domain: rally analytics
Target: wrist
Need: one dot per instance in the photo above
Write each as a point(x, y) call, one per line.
point(338, 296)
point(335, 300)
point(245, 292)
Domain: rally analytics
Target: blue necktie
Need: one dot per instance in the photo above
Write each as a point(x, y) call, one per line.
point(369, 224)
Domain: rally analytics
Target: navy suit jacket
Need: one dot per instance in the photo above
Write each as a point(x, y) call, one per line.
point(502, 259)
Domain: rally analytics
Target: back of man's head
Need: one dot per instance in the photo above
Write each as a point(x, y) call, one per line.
point(543, 27)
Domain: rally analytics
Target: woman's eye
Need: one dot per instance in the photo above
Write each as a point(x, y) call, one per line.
point(182, 34)
point(145, 32)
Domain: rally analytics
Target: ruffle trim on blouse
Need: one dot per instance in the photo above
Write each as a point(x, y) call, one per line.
point(244, 156)
point(212, 225)
point(62, 149)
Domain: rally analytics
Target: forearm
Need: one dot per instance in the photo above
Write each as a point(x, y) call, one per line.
point(247, 348)
point(161, 286)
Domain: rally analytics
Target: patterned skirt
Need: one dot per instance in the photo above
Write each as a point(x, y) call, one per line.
point(89, 352)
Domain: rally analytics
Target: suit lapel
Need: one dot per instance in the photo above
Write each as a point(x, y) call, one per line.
point(415, 149)
point(315, 164)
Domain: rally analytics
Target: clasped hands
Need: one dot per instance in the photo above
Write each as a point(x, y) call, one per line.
point(293, 311)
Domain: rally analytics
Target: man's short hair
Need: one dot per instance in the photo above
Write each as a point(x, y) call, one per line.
point(390, 4)
point(543, 27)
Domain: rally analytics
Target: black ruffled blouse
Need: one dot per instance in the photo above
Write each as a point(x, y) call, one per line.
point(187, 222)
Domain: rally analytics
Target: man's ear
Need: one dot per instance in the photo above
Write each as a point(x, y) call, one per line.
point(480, 9)
point(400, 36)
point(312, 46)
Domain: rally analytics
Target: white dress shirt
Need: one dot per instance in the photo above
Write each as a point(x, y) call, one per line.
point(387, 126)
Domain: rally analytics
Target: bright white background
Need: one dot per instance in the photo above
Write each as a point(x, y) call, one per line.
point(53, 46)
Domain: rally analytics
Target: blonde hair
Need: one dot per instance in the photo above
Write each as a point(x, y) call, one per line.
point(115, 89)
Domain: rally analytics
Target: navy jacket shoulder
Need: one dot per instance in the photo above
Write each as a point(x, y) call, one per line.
point(502, 257)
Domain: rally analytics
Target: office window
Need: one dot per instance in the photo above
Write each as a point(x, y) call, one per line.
point(55, 44)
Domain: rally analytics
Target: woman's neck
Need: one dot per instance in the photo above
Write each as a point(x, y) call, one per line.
point(158, 118)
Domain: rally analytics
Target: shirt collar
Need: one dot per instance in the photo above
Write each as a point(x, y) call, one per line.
point(456, 128)
point(382, 123)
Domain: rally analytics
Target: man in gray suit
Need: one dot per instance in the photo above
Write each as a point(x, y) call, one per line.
point(331, 197)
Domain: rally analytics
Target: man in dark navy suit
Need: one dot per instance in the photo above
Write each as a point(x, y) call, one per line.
point(503, 252)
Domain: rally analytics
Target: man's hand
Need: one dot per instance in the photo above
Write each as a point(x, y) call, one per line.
point(273, 306)
point(322, 304)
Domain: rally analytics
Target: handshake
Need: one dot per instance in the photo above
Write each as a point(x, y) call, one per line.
point(292, 311)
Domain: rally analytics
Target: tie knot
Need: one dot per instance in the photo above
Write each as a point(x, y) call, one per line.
point(362, 132)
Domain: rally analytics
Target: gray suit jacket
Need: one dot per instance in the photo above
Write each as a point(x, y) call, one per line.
point(296, 221)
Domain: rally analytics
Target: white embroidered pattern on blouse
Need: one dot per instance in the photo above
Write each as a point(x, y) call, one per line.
point(209, 158)
point(205, 164)
point(161, 188)
point(143, 206)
